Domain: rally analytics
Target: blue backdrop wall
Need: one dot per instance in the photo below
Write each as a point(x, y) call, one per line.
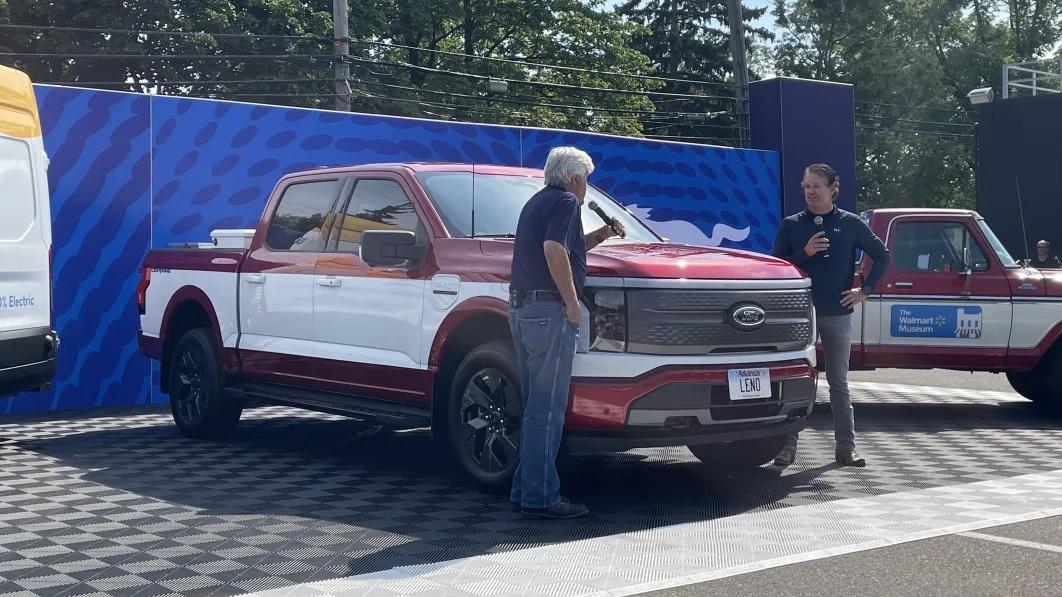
point(129, 172)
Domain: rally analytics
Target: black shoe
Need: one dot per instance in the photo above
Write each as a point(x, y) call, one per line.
point(784, 459)
point(561, 510)
point(849, 457)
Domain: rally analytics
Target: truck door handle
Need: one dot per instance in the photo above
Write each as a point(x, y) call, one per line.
point(254, 278)
point(903, 284)
point(331, 282)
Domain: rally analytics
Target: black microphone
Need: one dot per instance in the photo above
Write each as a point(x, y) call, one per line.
point(594, 207)
point(818, 223)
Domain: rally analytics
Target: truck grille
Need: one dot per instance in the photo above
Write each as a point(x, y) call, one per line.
point(690, 322)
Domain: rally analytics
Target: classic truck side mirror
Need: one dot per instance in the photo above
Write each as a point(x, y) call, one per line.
point(967, 270)
point(967, 262)
point(391, 248)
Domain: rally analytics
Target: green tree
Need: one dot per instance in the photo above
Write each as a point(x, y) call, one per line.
point(912, 63)
point(257, 17)
point(575, 36)
point(690, 39)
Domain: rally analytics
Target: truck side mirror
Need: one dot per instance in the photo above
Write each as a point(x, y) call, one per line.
point(967, 270)
point(967, 262)
point(391, 248)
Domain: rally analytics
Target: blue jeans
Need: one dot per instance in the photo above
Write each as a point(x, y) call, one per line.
point(545, 342)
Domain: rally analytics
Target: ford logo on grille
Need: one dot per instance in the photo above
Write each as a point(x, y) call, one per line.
point(747, 317)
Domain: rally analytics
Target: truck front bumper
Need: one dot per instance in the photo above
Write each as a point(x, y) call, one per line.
point(675, 406)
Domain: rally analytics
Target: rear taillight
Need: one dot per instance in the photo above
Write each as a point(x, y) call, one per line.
point(141, 289)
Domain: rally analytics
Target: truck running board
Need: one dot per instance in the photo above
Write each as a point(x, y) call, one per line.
point(392, 414)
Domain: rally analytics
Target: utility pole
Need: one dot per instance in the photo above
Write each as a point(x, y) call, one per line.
point(342, 35)
point(737, 54)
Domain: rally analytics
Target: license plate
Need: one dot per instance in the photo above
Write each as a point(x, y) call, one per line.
point(746, 384)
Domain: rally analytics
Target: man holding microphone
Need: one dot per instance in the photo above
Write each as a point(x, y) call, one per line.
point(822, 240)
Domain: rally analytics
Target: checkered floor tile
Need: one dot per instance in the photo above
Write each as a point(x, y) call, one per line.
point(118, 502)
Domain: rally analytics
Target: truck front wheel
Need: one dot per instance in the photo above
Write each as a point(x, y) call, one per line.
point(197, 397)
point(485, 411)
point(1030, 384)
point(738, 455)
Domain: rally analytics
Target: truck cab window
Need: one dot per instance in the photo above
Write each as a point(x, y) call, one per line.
point(375, 205)
point(302, 219)
point(935, 247)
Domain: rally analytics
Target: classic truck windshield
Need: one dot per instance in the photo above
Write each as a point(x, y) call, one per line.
point(1001, 251)
point(499, 199)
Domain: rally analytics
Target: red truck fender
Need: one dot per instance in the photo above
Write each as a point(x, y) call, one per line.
point(190, 308)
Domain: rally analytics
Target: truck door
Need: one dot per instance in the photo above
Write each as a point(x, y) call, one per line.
point(368, 319)
point(934, 311)
point(276, 282)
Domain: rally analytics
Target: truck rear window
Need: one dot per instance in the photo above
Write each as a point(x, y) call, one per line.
point(16, 179)
point(300, 220)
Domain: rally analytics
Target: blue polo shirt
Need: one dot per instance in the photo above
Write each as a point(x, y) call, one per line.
point(550, 214)
point(831, 276)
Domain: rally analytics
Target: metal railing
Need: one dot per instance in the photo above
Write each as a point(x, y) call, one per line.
point(1043, 76)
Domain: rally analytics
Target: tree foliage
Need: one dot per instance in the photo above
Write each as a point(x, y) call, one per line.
point(912, 62)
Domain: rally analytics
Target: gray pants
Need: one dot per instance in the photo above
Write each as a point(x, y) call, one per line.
point(835, 331)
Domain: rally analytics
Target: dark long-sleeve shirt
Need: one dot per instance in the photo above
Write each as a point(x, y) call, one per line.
point(831, 276)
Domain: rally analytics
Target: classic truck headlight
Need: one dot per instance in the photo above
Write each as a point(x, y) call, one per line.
point(608, 321)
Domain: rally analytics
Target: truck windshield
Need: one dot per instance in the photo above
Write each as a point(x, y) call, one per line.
point(499, 199)
point(1001, 251)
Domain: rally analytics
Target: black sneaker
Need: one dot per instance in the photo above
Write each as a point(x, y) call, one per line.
point(561, 510)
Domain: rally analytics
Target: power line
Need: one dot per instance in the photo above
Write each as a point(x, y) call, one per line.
point(682, 137)
point(532, 103)
point(325, 40)
point(926, 108)
point(910, 131)
point(163, 33)
point(327, 57)
point(527, 82)
point(908, 120)
point(198, 83)
point(541, 65)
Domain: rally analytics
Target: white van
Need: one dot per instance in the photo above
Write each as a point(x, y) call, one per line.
point(28, 344)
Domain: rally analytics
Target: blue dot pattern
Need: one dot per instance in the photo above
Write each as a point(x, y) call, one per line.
point(130, 172)
point(99, 178)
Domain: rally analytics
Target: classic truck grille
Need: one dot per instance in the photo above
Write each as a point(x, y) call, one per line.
point(686, 322)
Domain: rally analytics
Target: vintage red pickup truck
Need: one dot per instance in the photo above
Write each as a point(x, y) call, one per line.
point(954, 298)
point(379, 292)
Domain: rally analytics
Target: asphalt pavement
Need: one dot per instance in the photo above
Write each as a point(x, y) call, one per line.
point(1017, 559)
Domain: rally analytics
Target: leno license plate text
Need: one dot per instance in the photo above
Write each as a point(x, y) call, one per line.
point(746, 384)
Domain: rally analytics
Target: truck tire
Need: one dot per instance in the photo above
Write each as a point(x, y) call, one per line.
point(484, 415)
point(1030, 384)
point(197, 397)
point(738, 455)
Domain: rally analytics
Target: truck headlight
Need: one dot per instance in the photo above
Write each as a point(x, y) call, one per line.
point(608, 321)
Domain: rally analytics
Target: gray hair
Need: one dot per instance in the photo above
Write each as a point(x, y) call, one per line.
point(565, 163)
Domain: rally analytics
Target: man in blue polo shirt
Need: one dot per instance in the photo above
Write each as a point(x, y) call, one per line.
point(548, 272)
point(823, 240)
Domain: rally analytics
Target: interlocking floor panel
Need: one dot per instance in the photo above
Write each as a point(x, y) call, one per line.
point(118, 502)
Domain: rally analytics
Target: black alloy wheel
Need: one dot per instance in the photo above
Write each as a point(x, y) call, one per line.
point(485, 416)
point(197, 398)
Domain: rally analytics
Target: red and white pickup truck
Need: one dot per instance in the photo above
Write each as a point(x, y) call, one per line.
point(380, 292)
point(954, 298)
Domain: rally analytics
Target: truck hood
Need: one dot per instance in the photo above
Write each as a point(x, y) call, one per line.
point(659, 260)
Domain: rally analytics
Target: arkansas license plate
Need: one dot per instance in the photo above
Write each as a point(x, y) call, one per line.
point(746, 384)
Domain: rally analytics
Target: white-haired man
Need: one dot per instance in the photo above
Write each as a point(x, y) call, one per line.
point(548, 271)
